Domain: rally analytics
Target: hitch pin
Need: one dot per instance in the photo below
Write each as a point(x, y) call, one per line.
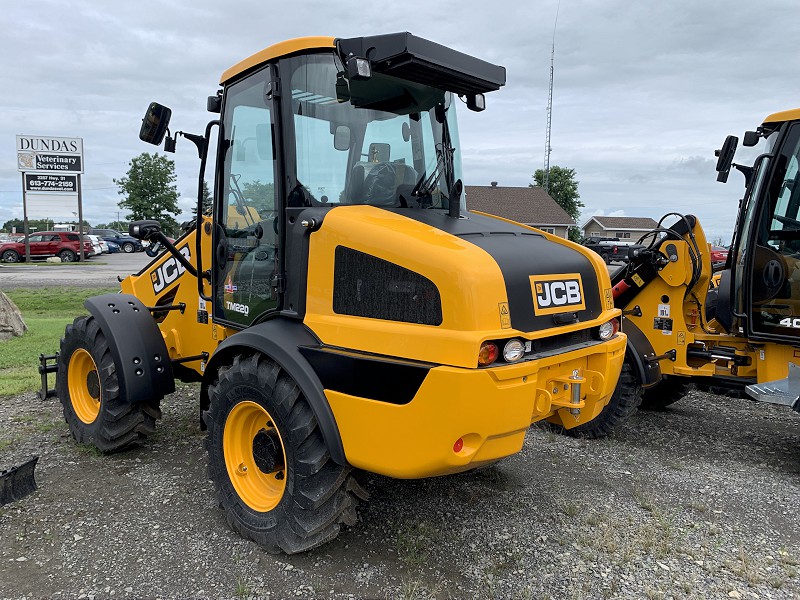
point(576, 392)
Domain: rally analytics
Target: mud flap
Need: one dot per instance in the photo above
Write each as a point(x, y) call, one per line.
point(17, 482)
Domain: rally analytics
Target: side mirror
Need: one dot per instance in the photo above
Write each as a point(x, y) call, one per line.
point(379, 152)
point(341, 138)
point(143, 230)
point(750, 138)
point(155, 124)
point(725, 157)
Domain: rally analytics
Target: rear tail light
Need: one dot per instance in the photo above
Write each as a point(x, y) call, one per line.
point(488, 353)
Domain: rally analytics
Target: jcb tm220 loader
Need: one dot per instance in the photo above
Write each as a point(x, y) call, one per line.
point(743, 331)
point(341, 308)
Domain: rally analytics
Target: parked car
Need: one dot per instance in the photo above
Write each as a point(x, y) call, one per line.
point(65, 245)
point(113, 247)
point(719, 256)
point(125, 242)
point(97, 244)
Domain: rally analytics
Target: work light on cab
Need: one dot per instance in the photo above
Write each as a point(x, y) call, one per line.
point(488, 353)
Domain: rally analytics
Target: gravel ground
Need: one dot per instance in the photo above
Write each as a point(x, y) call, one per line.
point(700, 501)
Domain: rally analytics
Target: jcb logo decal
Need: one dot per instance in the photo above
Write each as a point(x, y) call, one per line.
point(557, 293)
point(168, 271)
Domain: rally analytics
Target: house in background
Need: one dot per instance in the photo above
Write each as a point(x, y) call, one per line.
point(529, 205)
point(627, 229)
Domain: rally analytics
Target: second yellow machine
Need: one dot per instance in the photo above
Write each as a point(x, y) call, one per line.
point(341, 308)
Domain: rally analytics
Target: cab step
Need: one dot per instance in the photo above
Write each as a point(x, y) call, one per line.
point(785, 392)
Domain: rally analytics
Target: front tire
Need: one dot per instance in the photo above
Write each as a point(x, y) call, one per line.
point(271, 469)
point(67, 256)
point(624, 401)
point(11, 256)
point(88, 388)
point(666, 392)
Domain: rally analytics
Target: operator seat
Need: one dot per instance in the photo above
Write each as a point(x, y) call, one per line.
point(382, 183)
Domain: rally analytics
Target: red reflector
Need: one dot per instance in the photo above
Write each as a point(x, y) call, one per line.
point(457, 447)
point(488, 354)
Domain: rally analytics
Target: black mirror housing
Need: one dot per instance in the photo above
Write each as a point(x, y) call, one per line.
point(750, 138)
point(725, 157)
point(155, 124)
point(144, 230)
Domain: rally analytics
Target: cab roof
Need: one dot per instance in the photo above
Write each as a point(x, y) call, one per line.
point(276, 51)
point(786, 115)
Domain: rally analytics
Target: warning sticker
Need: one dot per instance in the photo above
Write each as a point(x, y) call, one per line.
point(663, 310)
point(609, 299)
point(637, 280)
point(682, 338)
point(505, 317)
point(665, 325)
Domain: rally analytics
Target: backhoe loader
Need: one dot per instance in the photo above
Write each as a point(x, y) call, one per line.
point(340, 307)
point(737, 330)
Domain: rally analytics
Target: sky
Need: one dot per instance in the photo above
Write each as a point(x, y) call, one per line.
point(643, 92)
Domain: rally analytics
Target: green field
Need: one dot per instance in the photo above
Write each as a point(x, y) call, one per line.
point(46, 313)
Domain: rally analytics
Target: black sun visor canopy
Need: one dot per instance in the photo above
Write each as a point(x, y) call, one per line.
point(412, 58)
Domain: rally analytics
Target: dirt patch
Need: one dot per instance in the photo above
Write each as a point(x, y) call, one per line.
point(700, 501)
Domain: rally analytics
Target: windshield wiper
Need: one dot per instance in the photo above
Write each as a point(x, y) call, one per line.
point(426, 184)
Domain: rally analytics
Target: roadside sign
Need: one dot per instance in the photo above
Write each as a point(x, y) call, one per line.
point(47, 183)
point(48, 153)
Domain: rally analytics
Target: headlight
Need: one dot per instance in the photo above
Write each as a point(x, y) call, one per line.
point(608, 329)
point(513, 350)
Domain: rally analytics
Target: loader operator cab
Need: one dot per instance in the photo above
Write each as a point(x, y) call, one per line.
point(763, 283)
point(315, 131)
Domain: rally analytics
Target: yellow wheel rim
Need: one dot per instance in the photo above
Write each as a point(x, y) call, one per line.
point(254, 456)
point(84, 386)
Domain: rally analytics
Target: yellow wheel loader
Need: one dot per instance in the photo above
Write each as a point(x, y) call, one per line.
point(738, 329)
point(341, 308)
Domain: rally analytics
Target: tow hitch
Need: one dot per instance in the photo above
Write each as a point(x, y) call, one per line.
point(48, 363)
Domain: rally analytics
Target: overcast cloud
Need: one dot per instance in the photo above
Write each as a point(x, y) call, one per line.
point(644, 92)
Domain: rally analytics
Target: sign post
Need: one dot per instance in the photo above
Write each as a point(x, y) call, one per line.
point(51, 168)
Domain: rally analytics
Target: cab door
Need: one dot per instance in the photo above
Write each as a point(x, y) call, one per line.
point(246, 240)
point(772, 254)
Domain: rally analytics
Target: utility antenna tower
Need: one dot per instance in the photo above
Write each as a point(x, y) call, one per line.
point(547, 147)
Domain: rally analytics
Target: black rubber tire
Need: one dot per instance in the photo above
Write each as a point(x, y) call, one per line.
point(623, 403)
point(607, 258)
point(67, 256)
point(11, 256)
point(319, 495)
point(668, 391)
point(128, 247)
point(119, 423)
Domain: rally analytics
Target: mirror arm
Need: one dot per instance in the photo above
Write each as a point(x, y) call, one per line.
point(200, 141)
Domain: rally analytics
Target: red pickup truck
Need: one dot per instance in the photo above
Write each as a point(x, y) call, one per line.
point(65, 245)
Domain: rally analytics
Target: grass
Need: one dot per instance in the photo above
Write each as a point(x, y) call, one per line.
point(46, 313)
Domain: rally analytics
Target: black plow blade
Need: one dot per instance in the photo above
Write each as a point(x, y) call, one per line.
point(17, 482)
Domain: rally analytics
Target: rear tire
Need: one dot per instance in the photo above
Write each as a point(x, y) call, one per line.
point(128, 247)
point(666, 392)
point(67, 256)
point(11, 256)
point(88, 387)
point(271, 469)
point(623, 403)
